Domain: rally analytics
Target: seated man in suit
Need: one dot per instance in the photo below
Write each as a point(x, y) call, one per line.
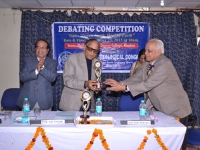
point(79, 74)
point(159, 81)
point(37, 74)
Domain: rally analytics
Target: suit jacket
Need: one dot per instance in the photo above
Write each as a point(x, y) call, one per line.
point(163, 87)
point(74, 76)
point(37, 88)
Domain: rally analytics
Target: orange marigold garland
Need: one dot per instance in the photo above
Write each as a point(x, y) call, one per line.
point(101, 137)
point(158, 139)
point(45, 139)
point(142, 144)
point(94, 135)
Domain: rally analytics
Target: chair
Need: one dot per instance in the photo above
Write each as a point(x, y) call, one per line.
point(129, 103)
point(9, 99)
point(193, 137)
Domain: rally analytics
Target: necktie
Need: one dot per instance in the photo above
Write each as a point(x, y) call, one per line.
point(150, 70)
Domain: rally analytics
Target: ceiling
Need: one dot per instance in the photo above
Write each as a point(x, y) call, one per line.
point(97, 3)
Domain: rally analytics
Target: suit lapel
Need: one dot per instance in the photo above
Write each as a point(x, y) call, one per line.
point(83, 64)
point(154, 64)
point(145, 70)
point(34, 61)
point(46, 61)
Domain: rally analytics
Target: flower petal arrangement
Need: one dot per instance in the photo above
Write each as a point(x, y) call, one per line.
point(97, 132)
point(158, 139)
point(101, 137)
point(45, 139)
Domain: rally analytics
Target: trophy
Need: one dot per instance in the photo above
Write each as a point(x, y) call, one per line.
point(97, 68)
point(85, 97)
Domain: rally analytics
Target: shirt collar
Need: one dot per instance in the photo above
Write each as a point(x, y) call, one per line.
point(152, 62)
point(39, 58)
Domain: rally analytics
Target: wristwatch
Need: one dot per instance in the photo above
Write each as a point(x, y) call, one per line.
point(126, 89)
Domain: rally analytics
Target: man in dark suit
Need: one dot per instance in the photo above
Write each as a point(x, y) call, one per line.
point(37, 74)
point(158, 80)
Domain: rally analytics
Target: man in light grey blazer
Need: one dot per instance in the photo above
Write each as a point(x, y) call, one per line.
point(79, 74)
point(37, 74)
point(158, 79)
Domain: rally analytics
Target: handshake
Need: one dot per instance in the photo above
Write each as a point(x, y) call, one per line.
point(109, 84)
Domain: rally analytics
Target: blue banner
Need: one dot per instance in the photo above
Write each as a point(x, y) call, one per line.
point(120, 42)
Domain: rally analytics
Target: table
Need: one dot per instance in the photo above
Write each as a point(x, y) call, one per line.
point(16, 136)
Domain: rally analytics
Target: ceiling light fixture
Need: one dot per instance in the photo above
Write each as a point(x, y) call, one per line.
point(162, 3)
point(135, 8)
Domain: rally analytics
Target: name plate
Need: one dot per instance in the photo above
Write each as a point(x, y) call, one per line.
point(137, 122)
point(53, 122)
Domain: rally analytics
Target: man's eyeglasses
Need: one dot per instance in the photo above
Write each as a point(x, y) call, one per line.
point(90, 49)
point(43, 48)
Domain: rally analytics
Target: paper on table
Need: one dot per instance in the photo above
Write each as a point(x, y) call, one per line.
point(65, 114)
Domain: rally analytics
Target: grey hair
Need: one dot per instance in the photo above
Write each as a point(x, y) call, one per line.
point(159, 45)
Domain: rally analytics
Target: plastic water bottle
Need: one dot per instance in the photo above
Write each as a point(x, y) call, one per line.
point(143, 110)
point(23, 119)
point(26, 107)
point(98, 107)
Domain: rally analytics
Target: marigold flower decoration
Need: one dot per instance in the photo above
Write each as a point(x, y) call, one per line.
point(158, 139)
point(101, 137)
point(45, 139)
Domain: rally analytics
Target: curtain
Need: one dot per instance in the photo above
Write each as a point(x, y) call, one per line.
point(177, 31)
point(196, 82)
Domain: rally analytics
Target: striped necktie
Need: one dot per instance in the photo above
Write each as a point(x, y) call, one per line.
point(150, 70)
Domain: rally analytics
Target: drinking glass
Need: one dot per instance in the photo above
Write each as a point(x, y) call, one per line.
point(37, 112)
point(7, 115)
point(150, 113)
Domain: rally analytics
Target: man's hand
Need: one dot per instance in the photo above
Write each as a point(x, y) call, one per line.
point(115, 86)
point(92, 84)
point(40, 63)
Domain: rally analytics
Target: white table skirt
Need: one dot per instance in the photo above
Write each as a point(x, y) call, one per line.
point(69, 137)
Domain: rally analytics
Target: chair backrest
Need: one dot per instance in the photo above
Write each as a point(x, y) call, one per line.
point(193, 135)
point(9, 99)
point(129, 103)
